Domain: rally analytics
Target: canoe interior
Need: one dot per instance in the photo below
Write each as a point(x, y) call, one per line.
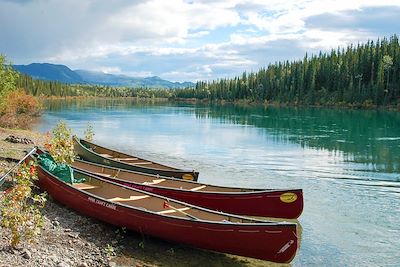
point(153, 180)
point(142, 200)
point(124, 158)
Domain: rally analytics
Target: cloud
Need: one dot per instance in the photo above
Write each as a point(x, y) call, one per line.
point(185, 40)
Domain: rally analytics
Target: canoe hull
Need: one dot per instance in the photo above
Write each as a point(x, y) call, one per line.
point(91, 156)
point(270, 242)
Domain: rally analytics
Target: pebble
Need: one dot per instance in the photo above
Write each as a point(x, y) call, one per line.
point(62, 264)
point(26, 254)
point(53, 258)
point(73, 235)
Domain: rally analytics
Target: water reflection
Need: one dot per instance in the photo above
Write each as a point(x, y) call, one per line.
point(368, 137)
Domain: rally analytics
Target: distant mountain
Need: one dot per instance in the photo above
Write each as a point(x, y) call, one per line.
point(51, 72)
point(62, 73)
point(96, 77)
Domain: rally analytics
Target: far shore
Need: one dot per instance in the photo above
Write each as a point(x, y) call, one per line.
point(240, 102)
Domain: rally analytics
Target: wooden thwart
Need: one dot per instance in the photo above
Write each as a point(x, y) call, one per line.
point(198, 188)
point(172, 210)
point(120, 199)
point(84, 186)
point(157, 181)
point(103, 174)
point(127, 159)
point(106, 155)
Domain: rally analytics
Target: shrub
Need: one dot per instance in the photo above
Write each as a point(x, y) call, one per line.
point(20, 207)
point(18, 102)
point(89, 133)
point(18, 109)
point(60, 145)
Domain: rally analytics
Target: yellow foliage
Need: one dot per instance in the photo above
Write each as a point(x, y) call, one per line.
point(20, 207)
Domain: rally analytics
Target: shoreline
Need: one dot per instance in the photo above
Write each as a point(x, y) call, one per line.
point(252, 103)
point(71, 239)
point(241, 102)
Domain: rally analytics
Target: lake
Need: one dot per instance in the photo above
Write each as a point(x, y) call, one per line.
point(346, 161)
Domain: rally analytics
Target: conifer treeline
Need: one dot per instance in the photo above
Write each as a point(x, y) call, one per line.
point(365, 75)
point(368, 74)
point(54, 88)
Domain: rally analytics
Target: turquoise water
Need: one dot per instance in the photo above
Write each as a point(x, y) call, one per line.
point(347, 162)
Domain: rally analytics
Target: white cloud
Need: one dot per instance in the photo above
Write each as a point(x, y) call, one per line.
point(113, 70)
point(198, 34)
point(169, 21)
point(139, 73)
point(183, 40)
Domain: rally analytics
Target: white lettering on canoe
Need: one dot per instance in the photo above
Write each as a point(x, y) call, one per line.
point(102, 203)
point(286, 246)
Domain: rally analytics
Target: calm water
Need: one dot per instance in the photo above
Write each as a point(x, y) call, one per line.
point(347, 162)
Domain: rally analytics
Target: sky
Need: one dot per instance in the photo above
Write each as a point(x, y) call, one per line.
point(182, 40)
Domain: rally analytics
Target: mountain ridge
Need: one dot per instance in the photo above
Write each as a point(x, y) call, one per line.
point(62, 73)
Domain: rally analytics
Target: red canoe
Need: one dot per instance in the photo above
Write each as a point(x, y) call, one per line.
point(253, 202)
point(172, 220)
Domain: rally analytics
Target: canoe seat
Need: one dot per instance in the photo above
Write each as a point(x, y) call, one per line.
point(157, 181)
point(106, 155)
point(103, 174)
point(198, 188)
point(172, 210)
point(84, 186)
point(127, 159)
point(120, 199)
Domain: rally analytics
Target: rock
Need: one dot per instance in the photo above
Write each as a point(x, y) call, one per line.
point(53, 258)
point(84, 264)
point(67, 230)
point(73, 235)
point(26, 254)
point(62, 264)
point(55, 223)
point(112, 264)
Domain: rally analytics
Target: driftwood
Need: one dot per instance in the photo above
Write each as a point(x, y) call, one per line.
point(16, 139)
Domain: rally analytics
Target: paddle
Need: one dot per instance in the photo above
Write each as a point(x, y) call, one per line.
point(3, 178)
point(166, 205)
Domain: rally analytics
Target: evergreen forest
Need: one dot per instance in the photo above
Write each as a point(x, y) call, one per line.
point(365, 75)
